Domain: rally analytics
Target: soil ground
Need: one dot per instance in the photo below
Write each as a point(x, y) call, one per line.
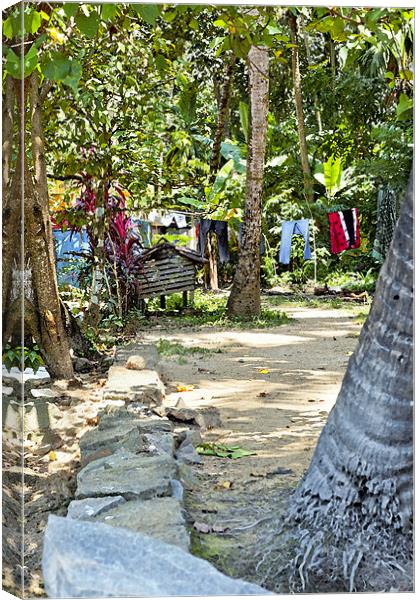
point(274, 389)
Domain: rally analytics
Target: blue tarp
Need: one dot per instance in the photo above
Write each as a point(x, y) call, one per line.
point(68, 265)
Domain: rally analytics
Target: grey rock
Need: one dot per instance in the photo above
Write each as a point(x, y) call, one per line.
point(161, 518)
point(208, 418)
point(193, 436)
point(187, 477)
point(92, 507)
point(136, 363)
point(124, 435)
point(144, 424)
point(128, 475)
point(134, 386)
point(82, 365)
point(205, 418)
point(43, 393)
point(84, 559)
point(187, 454)
point(7, 391)
point(177, 490)
point(185, 415)
point(148, 352)
point(160, 443)
point(14, 378)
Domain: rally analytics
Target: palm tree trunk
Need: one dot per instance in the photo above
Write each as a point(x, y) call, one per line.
point(245, 299)
point(297, 86)
point(360, 480)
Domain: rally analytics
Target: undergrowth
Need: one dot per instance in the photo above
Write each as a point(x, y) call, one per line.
point(210, 309)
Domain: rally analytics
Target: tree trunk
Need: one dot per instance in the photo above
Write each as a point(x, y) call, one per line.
point(310, 62)
point(210, 269)
point(244, 299)
point(357, 495)
point(297, 86)
point(34, 277)
point(11, 189)
point(222, 111)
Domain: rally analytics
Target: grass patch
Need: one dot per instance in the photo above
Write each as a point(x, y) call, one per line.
point(361, 316)
point(298, 300)
point(219, 318)
point(210, 309)
point(168, 348)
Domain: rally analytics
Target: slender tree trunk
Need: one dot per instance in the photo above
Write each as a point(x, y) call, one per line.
point(245, 299)
point(211, 278)
point(358, 491)
point(297, 86)
point(222, 113)
point(310, 62)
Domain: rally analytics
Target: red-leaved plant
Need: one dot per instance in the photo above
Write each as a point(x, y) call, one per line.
point(121, 242)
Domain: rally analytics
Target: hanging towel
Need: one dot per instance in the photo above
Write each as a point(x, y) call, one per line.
point(241, 233)
point(288, 229)
point(220, 228)
point(344, 230)
point(385, 223)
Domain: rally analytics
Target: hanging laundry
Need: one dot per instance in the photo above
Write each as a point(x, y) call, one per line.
point(66, 244)
point(220, 228)
point(144, 231)
point(241, 233)
point(288, 229)
point(171, 219)
point(386, 218)
point(344, 230)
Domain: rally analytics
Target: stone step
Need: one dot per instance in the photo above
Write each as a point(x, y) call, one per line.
point(127, 474)
point(84, 559)
point(160, 518)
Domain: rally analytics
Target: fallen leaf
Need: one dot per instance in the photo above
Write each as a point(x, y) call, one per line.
point(220, 528)
point(93, 420)
point(52, 455)
point(226, 484)
point(202, 527)
point(264, 371)
point(262, 395)
point(184, 388)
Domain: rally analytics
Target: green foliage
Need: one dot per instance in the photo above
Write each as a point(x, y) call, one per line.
point(13, 356)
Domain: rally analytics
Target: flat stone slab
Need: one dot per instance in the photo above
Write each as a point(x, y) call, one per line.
point(39, 415)
point(144, 424)
point(161, 518)
point(124, 435)
point(92, 507)
point(84, 559)
point(128, 435)
point(43, 393)
point(134, 386)
point(128, 475)
point(147, 351)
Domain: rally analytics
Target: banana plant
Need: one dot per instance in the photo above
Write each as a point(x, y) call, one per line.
point(332, 176)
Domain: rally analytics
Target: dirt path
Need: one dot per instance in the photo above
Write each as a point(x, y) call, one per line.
point(278, 414)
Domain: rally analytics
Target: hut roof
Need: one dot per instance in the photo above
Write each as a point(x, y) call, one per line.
point(164, 245)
